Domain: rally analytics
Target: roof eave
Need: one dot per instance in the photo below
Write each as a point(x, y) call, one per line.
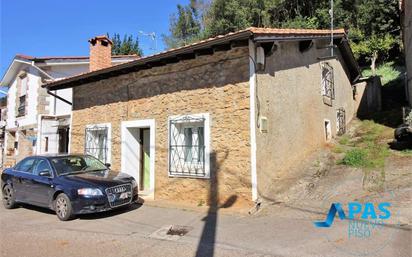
point(76, 80)
point(349, 59)
point(268, 38)
point(190, 49)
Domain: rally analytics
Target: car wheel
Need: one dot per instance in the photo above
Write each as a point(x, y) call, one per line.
point(9, 200)
point(63, 207)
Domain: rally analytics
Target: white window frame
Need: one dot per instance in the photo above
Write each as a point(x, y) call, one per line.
point(109, 138)
point(206, 138)
point(327, 130)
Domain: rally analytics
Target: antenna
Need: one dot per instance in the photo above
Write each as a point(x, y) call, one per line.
point(152, 36)
point(331, 27)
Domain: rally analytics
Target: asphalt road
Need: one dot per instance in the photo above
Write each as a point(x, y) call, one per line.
point(140, 231)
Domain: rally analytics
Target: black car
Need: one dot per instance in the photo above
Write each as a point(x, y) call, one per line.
point(67, 184)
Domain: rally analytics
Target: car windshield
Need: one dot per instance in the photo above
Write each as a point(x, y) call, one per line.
point(76, 164)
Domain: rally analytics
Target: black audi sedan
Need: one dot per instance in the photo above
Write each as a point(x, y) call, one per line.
point(67, 184)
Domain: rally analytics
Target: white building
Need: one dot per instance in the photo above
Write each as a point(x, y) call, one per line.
point(38, 121)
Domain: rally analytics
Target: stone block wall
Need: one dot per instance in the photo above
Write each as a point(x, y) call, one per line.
point(217, 84)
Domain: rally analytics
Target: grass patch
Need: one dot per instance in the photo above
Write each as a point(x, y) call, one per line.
point(344, 139)
point(368, 149)
point(355, 158)
point(407, 152)
point(387, 71)
point(338, 149)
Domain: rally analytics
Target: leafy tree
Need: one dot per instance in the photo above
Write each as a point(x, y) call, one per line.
point(373, 25)
point(374, 31)
point(184, 26)
point(373, 47)
point(228, 16)
point(128, 45)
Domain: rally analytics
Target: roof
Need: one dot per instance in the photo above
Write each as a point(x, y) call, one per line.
point(45, 58)
point(22, 59)
point(176, 54)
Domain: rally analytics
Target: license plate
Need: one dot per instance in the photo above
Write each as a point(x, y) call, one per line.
point(124, 195)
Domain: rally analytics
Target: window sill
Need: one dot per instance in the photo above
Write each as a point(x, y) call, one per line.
point(207, 176)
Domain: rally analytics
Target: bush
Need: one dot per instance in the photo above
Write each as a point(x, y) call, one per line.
point(355, 158)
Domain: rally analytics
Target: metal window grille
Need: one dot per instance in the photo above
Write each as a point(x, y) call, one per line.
point(341, 118)
point(96, 142)
point(187, 147)
point(328, 87)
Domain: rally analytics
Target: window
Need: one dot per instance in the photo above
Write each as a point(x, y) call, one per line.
point(97, 142)
point(26, 165)
point(46, 144)
point(72, 164)
point(21, 111)
point(328, 88)
point(341, 121)
point(328, 130)
point(42, 165)
point(188, 146)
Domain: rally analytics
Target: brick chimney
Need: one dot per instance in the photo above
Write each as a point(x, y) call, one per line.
point(100, 53)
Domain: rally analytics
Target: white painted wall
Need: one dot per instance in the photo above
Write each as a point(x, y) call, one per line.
point(11, 105)
point(32, 94)
point(58, 107)
point(49, 130)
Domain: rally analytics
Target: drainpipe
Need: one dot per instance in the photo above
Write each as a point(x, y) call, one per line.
point(59, 97)
point(252, 97)
point(39, 137)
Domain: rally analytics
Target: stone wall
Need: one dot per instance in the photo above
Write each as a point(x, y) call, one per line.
point(216, 84)
point(290, 97)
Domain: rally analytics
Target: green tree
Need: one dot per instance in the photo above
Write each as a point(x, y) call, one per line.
point(373, 47)
point(375, 30)
point(185, 26)
point(372, 24)
point(128, 45)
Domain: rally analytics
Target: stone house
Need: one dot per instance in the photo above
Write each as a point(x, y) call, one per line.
point(35, 121)
point(220, 118)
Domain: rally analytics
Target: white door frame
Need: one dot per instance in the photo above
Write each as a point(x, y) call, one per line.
point(125, 149)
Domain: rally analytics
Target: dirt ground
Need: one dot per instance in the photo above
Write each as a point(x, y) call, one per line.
point(322, 179)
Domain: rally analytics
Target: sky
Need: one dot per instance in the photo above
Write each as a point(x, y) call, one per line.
point(62, 27)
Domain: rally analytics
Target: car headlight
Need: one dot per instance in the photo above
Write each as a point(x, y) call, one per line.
point(89, 191)
point(134, 183)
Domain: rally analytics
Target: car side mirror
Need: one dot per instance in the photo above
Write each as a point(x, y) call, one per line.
point(108, 165)
point(44, 173)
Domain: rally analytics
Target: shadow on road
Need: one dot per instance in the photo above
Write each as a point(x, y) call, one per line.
point(206, 246)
